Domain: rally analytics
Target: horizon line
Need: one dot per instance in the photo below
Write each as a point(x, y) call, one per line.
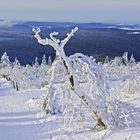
point(76, 22)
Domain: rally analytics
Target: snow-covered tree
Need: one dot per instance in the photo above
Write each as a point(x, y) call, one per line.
point(5, 66)
point(125, 58)
point(36, 62)
point(132, 60)
point(106, 60)
point(44, 63)
point(50, 104)
point(5, 60)
point(49, 61)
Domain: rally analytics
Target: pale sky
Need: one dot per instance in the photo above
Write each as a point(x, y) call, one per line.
point(123, 11)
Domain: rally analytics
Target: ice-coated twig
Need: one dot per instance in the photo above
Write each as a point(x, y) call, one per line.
point(69, 35)
point(45, 41)
point(53, 38)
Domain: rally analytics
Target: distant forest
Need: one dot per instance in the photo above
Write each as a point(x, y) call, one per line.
point(95, 40)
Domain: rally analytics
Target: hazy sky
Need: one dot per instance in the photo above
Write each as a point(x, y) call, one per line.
point(124, 11)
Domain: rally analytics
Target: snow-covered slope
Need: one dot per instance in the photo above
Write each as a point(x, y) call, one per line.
point(18, 120)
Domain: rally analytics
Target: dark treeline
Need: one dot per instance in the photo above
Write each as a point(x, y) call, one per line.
point(18, 41)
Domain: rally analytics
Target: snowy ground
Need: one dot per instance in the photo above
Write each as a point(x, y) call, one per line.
point(19, 121)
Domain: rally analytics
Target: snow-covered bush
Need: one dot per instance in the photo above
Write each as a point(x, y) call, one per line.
point(35, 76)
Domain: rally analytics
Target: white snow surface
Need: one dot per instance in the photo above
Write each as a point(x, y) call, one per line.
point(20, 119)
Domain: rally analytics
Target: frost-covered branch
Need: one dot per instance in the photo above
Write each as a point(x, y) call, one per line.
point(69, 35)
point(54, 42)
point(53, 38)
point(46, 41)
